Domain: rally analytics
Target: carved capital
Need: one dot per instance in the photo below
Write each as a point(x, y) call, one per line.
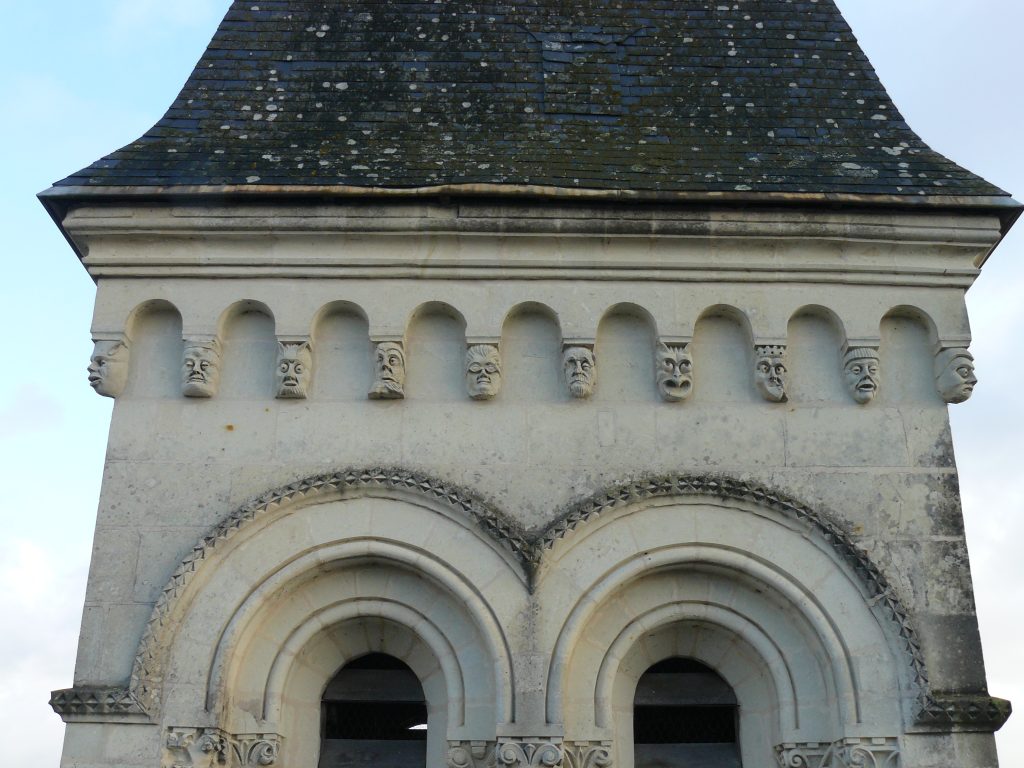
point(881, 752)
point(213, 748)
point(588, 754)
point(471, 754)
point(530, 753)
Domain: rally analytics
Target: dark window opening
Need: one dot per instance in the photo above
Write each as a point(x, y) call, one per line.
point(373, 713)
point(684, 714)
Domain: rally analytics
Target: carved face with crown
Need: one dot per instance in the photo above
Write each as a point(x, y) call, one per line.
point(294, 370)
point(770, 373)
point(200, 368)
point(108, 368)
point(860, 370)
point(483, 371)
point(954, 374)
point(674, 368)
point(580, 371)
point(389, 368)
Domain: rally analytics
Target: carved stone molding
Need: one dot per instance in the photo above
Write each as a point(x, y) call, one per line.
point(588, 754)
point(147, 671)
point(880, 592)
point(846, 753)
point(944, 712)
point(214, 748)
point(530, 753)
point(85, 701)
point(471, 754)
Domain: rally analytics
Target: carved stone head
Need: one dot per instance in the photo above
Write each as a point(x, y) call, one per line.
point(580, 371)
point(200, 368)
point(389, 371)
point(294, 370)
point(954, 374)
point(770, 372)
point(860, 370)
point(108, 368)
point(674, 369)
point(483, 371)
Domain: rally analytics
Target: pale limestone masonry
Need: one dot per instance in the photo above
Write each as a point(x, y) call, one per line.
point(529, 545)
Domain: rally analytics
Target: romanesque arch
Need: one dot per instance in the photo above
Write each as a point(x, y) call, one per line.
point(319, 573)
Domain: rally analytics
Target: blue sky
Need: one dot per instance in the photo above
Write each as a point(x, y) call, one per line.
point(84, 78)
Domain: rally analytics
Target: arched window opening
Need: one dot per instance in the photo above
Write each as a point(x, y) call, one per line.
point(374, 713)
point(684, 714)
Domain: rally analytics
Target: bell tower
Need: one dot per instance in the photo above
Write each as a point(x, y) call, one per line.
point(505, 384)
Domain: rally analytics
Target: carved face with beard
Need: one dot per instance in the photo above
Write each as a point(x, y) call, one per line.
point(389, 383)
point(954, 374)
point(483, 371)
point(294, 370)
point(108, 368)
point(674, 369)
point(770, 373)
point(200, 368)
point(580, 371)
point(860, 370)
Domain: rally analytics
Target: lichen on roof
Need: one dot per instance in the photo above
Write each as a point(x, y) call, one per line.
point(664, 96)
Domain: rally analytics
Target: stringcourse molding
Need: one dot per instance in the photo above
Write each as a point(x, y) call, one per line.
point(147, 673)
point(880, 592)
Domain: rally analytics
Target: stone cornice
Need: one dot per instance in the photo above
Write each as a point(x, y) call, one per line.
point(663, 243)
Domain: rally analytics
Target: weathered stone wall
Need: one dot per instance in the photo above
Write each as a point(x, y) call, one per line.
point(873, 468)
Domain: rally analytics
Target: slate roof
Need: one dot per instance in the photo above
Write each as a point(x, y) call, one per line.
point(662, 96)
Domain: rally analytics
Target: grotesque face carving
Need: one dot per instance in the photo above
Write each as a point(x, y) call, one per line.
point(770, 373)
point(674, 368)
point(200, 368)
point(389, 383)
point(294, 370)
point(954, 374)
point(108, 368)
point(860, 369)
point(580, 371)
point(483, 371)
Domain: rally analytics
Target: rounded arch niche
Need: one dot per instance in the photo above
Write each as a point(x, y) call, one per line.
point(770, 596)
point(287, 590)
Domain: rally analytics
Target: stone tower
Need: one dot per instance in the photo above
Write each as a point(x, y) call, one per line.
point(530, 384)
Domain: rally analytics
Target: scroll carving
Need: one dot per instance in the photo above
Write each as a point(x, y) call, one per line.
point(845, 753)
point(674, 371)
point(530, 754)
point(483, 371)
point(588, 754)
point(471, 754)
point(108, 368)
point(294, 370)
point(580, 369)
point(954, 374)
point(861, 373)
point(770, 372)
point(200, 368)
point(213, 748)
point(389, 372)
